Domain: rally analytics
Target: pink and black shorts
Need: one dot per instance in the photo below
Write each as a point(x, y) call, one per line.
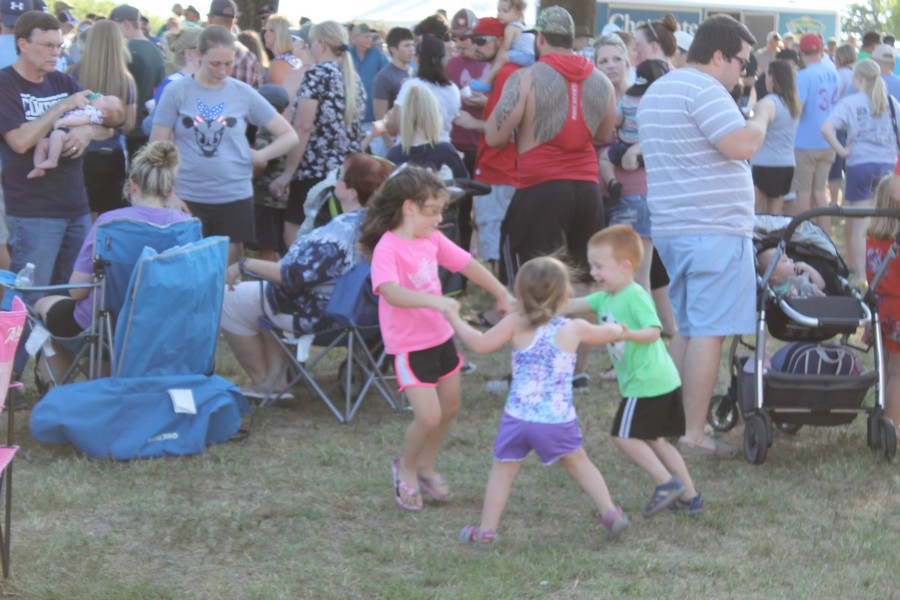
point(426, 368)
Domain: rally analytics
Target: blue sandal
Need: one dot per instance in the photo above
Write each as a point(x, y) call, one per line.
point(690, 507)
point(663, 496)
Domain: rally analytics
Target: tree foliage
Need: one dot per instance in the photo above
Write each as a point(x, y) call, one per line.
point(874, 15)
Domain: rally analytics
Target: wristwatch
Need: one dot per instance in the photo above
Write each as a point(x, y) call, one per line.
point(242, 265)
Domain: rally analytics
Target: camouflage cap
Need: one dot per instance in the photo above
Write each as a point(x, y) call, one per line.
point(555, 19)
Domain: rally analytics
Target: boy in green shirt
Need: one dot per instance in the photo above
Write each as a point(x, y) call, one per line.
point(651, 408)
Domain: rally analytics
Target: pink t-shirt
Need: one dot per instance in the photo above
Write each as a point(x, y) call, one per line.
point(413, 264)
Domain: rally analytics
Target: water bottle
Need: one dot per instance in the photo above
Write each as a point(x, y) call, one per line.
point(25, 276)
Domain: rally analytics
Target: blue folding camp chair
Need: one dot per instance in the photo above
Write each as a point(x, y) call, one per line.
point(354, 309)
point(162, 398)
point(118, 246)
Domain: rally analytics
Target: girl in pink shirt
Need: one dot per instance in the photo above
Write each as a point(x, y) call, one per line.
point(400, 234)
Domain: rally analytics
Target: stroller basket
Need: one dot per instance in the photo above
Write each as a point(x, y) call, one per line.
point(816, 318)
point(805, 399)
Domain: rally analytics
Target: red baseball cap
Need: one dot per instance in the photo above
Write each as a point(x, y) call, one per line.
point(488, 26)
point(811, 42)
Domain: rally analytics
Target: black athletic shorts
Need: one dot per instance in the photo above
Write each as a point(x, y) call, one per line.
point(554, 218)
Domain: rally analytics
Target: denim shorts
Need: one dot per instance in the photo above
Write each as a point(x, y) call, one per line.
point(713, 283)
point(863, 179)
point(489, 212)
point(632, 211)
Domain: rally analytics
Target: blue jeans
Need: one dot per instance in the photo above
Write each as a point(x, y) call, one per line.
point(52, 245)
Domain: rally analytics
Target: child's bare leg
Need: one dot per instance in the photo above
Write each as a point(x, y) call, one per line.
point(674, 463)
point(426, 420)
point(582, 470)
point(449, 398)
point(500, 59)
point(630, 158)
point(54, 150)
point(497, 493)
point(40, 156)
point(892, 391)
point(643, 455)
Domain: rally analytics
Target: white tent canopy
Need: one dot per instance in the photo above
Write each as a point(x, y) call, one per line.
point(389, 11)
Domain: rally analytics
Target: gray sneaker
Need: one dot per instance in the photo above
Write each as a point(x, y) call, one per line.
point(717, 450)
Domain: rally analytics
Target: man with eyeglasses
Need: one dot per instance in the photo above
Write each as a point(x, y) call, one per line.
point(47, 217)
point(696, 144)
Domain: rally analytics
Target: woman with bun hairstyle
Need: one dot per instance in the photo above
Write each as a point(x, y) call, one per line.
point(151, 184)
point(656, 39)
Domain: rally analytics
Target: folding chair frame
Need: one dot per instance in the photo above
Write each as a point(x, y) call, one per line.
point(7, 453)
point(358, 355)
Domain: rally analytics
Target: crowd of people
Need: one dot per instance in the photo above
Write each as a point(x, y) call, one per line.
point(638, 160)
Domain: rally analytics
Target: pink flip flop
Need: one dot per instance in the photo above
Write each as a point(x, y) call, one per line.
point(401, 488)
point(430, 486)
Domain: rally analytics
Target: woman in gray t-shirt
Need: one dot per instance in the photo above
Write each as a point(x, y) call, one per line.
point(207, 115)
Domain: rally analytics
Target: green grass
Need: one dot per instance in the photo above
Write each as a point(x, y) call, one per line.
point(303, 509)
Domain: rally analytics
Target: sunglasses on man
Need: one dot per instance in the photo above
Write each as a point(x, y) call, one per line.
point(482, 41)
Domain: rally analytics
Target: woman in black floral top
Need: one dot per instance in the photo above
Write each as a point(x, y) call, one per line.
point(296, 290)
point(328, 119)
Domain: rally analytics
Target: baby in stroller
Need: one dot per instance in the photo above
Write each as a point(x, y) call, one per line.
point(789, 277)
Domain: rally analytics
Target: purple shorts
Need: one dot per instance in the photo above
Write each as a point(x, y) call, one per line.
point(550, 441)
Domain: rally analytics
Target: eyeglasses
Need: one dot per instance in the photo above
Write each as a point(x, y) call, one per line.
point(745, 64)
point(340, 175)
point(651, 31)
point(482, 41)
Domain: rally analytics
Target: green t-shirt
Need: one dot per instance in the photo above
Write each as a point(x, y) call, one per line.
point(643, 370)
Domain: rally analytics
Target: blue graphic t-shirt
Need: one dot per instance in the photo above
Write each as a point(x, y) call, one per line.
point(60, 194)
point(209, 127)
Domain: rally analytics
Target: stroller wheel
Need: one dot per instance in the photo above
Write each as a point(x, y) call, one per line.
point(873, 435)
point(789, 428)
point(756, 440)
point(723, 413)
point(888, 436)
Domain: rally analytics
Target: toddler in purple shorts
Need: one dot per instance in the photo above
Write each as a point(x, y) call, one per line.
point(539, 413)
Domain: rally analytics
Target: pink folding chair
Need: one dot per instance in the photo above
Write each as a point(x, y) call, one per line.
point(11, 325)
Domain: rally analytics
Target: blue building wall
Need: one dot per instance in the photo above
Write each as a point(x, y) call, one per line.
point(628, 17)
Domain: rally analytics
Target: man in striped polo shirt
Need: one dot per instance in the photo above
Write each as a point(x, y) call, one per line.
point(696, 144)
